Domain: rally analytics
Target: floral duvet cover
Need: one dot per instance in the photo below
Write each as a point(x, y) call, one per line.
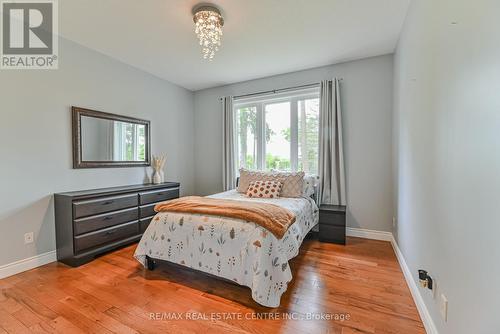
point(234, 249)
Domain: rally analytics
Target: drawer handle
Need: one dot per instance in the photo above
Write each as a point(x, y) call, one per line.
point(110, 232)
point(108, 218)
point(160, 194)
point(107, 203)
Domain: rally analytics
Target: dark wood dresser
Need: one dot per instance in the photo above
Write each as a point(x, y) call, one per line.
point(91, 222)
point(332, 223)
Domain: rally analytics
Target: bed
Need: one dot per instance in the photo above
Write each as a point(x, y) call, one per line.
point(233, 249)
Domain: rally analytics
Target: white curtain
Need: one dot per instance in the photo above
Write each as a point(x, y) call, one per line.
point(228, 145)
point(331, 154)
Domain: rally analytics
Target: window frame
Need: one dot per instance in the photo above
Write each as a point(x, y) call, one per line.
point(260, 103)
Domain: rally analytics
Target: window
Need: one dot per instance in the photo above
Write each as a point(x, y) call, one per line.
point(279, 132)
point(246, 131)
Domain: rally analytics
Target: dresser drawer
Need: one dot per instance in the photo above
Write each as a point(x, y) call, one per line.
point(93, 223)
point(103, 204)
point(332, 218)
point(158, 195)
point(102, 237)
point(328, 233)
point(144, 223)
point(146, 211)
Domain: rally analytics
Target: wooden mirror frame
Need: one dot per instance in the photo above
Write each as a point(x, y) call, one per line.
point(77, 113)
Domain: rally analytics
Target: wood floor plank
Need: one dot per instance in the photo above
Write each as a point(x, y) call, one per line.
point(11, 324)
point(42, 328)
point(63, 325)
point(23, 300)
point(27, 317)
point(97, 316)
point(361, 282)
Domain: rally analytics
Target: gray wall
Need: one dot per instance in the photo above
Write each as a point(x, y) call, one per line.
point(367, 110)
point(447, 157)
point(35, 137)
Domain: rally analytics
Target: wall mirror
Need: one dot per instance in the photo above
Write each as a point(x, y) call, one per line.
point(107, 140)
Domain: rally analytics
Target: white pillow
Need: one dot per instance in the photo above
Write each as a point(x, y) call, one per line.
point(310, 182)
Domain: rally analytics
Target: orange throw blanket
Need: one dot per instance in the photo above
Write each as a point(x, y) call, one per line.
point(272, 217)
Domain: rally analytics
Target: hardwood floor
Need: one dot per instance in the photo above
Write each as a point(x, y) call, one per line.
point(361, 282)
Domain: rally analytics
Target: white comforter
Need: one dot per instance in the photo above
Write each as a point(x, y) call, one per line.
point(234, 249)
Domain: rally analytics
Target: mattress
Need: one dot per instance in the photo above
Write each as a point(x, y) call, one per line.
point(237, 250)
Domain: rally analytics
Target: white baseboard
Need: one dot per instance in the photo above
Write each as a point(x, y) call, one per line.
point(429, 325)
point(368, 234)
point(27, 264)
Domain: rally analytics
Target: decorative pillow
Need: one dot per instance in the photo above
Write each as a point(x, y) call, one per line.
point(293, 182)
point(310, 182)
point(247, 176)
point(264, 189)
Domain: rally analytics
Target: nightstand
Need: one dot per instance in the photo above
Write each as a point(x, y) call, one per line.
point(332, 223)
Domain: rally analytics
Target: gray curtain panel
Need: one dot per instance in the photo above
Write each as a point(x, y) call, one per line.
point(228, 145)
point(331, 154)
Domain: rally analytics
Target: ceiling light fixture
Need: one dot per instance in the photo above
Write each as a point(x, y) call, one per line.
point(209, 22)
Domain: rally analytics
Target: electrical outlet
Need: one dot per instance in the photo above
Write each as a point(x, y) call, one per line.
point(434, 289)
point(28, 238)
point(443, 307)
point(393, 222)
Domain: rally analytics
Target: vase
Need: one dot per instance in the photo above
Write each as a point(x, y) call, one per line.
point(162, 176)
point(157, 179)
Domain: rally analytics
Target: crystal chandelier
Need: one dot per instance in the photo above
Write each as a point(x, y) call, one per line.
point(209, 24)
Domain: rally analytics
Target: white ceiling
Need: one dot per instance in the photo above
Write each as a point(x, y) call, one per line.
point(261, 37)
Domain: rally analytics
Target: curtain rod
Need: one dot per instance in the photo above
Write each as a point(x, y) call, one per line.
point(274, 91)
